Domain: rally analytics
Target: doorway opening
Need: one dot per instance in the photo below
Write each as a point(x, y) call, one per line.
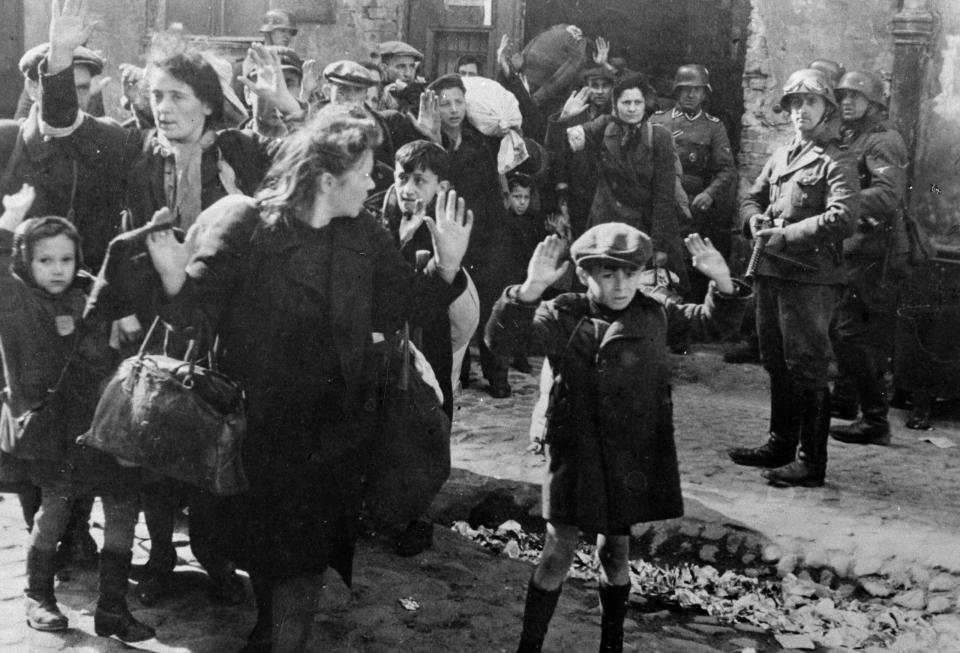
point(655, 37)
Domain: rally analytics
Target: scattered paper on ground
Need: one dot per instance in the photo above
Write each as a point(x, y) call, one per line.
point(943, 443)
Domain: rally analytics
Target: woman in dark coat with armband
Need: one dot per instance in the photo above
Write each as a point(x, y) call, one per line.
point(304, 289)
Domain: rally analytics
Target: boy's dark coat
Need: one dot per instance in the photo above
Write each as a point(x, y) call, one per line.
point(613, 460)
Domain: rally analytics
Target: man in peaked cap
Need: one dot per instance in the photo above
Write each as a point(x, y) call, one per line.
point(575, 173)
point(875, 256)
point(68, 182)
point(401, 62)
point(278, 28)
point(87, 64)
point(347, 82)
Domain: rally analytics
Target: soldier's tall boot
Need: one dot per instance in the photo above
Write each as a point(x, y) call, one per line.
point(810, 467)
point(781, 447)
point(42, 611)
point(873, 426)
point(536, 617)
point(844, 398)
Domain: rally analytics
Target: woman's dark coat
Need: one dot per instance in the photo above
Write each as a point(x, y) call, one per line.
point(636, 180)
point(278, 308)
point(613, 461)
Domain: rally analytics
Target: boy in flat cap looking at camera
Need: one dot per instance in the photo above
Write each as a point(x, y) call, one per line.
point(612, 460)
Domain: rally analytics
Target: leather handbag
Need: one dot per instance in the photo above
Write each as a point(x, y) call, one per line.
point(411, 457)
point(174, 417)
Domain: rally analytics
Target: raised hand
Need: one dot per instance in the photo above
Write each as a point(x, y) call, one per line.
point(270, 84)
point(559, 224)
point(709, 262)
point(68, 31)
point(603, 51)
point(169, 256)
point(503, 54)
point(311, 78)
point(450, 231)
point(131, 78)
point(16, 206)
point(427, 121)
point(576, 104)
point(544, 268)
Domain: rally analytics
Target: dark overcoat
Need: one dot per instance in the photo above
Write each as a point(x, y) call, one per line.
point(40, 334)
point(303, 329)
point(613, 460)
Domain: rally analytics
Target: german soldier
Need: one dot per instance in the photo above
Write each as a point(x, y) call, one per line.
point(801, 206)
point(874, 256)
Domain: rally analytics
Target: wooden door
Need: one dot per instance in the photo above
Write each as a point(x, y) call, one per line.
point(444, 30)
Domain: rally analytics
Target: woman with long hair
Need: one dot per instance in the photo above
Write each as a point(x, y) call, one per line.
point(306, 289)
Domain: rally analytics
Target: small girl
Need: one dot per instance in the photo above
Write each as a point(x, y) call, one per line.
point(53, 368)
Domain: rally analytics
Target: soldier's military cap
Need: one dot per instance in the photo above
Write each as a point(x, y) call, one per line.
point(277, 19)
point(614, 243)
point(399, 49)
point(349, 73)
point(82, 56)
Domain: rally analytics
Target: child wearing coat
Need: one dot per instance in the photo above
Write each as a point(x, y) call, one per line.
point(54, 362)
point(611, 452)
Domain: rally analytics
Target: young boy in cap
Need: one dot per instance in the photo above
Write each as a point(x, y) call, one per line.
point(612, 457)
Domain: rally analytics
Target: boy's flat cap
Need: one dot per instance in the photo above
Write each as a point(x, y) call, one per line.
point(82, 56)
point(613, 242)
point(349, 73)
point(399, 48)
point(599, 71)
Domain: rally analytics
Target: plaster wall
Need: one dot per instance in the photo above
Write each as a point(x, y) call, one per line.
point(786, 36)
point(935, 197)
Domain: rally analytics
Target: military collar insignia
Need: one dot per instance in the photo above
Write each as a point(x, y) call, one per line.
point(677, 112)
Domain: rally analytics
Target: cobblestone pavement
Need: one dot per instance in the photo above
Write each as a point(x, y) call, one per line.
point(888, 515)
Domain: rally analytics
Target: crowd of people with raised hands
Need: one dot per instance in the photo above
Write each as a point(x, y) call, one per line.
point(327, 207)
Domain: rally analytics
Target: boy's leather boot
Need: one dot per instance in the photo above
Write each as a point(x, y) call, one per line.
point(781, 447)
point(42, 611)
point(536, 617)
point(112, 616)
point(810, 467)
point(613, 600)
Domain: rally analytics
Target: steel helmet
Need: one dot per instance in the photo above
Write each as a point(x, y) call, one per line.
point(863, 82)
point(276, 19)
point(692, 74)
point(812, 81)
point(833, 69)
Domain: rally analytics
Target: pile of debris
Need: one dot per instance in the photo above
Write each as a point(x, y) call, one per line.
point(800, 613)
